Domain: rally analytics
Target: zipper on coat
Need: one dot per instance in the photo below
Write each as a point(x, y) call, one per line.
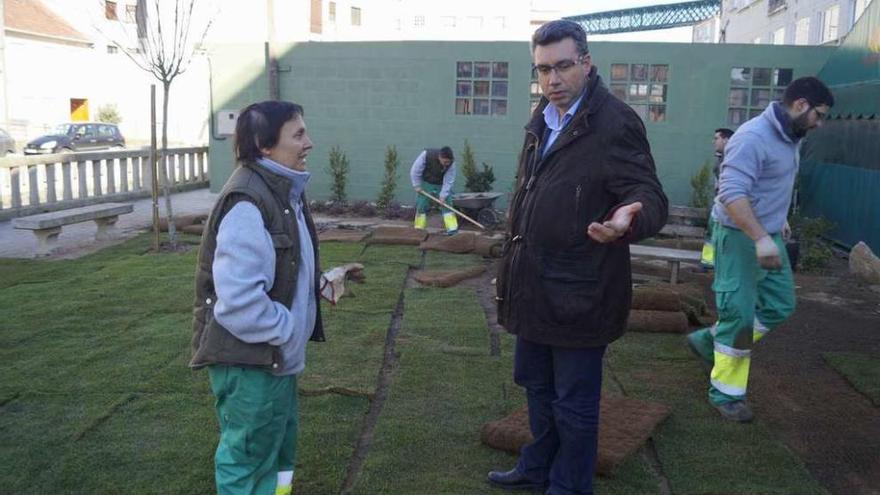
point(516, 236)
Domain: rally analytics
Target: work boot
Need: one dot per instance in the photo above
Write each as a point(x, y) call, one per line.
point(702, 345)
point(738, 411)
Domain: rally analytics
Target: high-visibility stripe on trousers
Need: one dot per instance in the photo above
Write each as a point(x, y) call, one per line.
point(421, 221)
point(450, 221)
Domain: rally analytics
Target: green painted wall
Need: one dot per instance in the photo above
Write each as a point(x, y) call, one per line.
point(365, 96)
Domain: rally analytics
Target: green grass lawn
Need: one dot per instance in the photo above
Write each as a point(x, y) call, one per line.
point(862, 371)
point(96, 396)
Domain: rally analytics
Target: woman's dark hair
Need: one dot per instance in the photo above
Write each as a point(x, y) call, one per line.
point(259, 125)
point(556, 31)
point(809, 88)
point(446, 152)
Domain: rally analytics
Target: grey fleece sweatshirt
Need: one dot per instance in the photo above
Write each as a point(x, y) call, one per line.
point(244, 271)
point(760, 163)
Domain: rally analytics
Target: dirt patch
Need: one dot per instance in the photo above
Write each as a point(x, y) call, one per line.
point(815, 411)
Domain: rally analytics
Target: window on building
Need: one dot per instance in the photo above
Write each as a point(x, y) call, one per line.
point(858, 8)
point(481, 88)
point(498, 23)
point(752, 89)
point(802, 31)
point(830, 23)
point(448, 21)
point(774, 6)
point(110, 10)
point(779, 36)
point(331, 12)
point(534, 94)
point(112, 49)
point(131, 14)
point(355, 16)
point(644, 87)
point(419, 21)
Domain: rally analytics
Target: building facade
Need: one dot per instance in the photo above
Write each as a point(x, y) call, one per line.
point(64, 61)
point(788, 22)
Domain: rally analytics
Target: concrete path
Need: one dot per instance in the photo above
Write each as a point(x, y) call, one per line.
point(79, 239)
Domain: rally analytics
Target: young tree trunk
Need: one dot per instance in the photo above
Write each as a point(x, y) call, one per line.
point(166, 189)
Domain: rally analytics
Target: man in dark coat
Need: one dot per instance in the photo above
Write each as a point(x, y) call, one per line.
point(586, 188)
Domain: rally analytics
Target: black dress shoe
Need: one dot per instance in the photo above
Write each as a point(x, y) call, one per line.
point(514, 480)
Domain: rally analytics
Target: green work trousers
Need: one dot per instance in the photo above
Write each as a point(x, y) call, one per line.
point(257, 412)
point(750, 301)
point(423, 203)
point(450, 221)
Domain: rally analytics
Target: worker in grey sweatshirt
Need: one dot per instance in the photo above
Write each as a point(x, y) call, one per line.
point(754, 286)
point(257, 302)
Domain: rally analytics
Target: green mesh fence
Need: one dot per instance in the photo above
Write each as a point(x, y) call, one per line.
point(840, 179)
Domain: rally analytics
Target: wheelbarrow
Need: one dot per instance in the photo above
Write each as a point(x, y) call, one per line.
point(479, 206)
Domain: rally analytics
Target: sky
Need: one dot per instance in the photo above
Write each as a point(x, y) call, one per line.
point(579, 7)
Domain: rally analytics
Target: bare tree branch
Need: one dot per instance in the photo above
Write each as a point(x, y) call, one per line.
point(165, 54)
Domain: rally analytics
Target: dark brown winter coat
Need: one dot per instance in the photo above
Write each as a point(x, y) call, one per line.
point(555, 285)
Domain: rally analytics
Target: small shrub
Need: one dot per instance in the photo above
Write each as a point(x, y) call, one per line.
point(109, 113)
point(815, 253)
point(481, 181)
point(468, 163)
point(703, 191)
point(338, 170)
point(389, 182)
point(475, 181)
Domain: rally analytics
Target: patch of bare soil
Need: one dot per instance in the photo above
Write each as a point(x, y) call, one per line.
point(824, 420)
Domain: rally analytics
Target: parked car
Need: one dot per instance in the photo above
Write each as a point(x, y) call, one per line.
point(7, 144)
point(77, 136)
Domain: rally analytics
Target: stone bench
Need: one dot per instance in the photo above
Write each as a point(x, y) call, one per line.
point(673, 256)
point(47, 226)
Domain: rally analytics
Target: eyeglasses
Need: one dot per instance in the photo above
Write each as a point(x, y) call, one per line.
point(821, 115)
point(559, 67)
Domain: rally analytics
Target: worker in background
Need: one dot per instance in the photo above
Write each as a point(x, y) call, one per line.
point(754, 286)
point(433, 172)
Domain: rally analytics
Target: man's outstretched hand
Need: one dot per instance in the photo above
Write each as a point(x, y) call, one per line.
point(617, 226)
